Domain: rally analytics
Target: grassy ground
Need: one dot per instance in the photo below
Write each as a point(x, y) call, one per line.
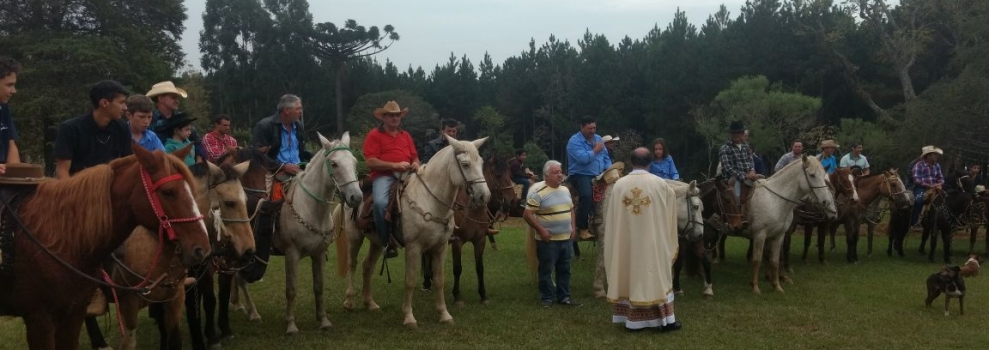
point(877, 303)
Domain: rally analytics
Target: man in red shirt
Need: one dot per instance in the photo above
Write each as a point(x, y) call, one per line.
point(388, 149)
point(218, 142)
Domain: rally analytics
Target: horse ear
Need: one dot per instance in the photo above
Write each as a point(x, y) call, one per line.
point(241, 168)
point(323, 141)
point(479, 142)
point(215, 173)
point(146, 158)
point(181, 153)
point(693, 187)
point(803, 157)
point(345, 138)
point(457, 146)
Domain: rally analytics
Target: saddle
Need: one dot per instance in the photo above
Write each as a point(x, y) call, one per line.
point(16, 184)
point(365, 222)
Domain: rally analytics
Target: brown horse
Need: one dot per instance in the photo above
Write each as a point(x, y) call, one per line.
point(721, 217)
point(220, 195)
point(471, 225)
point(870, 188)
point(842, 186)
point(68, 228)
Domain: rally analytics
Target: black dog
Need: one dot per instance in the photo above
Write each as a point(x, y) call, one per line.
point(948, 281)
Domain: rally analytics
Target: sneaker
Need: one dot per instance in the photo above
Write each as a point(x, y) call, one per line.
point(547, 303)
point(570, 302)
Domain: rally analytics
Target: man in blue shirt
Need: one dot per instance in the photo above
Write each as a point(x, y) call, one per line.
point(280, 137)
point(585, 156)
point(8, 132)
point(827, 158)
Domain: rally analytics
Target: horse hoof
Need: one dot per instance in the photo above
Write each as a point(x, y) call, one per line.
point(679, 292)
point(326, 326)
point(779, 289)
point(240, 308)
point(755, 290)
point(447, 320)
point(255, 317)
point(348, 306)
point(292, 330)
point(600, 295)
point(485, 301)
point(460, 304)
point(373, 307)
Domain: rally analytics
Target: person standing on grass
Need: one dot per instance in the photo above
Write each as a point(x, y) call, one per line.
point(549, 212)
point(640, 248)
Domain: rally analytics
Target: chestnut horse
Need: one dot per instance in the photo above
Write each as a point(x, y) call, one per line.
point(220, 195)
point(66, 229)
point(472, 226)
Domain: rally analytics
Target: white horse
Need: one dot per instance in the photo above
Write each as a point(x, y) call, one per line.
point(426, 206)
point(770, 210)
point(306, 227)
point(690, 225)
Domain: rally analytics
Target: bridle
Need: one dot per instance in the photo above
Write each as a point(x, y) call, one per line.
point(453, 206)
point(327, 164)
point(692, 223)
point(816, 199)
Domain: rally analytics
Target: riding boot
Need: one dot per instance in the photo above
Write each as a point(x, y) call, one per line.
point(391, 251)
point(97, 304)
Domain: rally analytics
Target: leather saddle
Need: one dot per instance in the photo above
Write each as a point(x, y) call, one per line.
point(365, 222)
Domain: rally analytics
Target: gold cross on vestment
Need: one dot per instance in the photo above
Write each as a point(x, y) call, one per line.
point(636, 202)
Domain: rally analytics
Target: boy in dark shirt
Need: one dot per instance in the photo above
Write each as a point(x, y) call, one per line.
point(97, 137)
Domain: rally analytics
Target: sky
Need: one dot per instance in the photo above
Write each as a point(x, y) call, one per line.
point(431, 29)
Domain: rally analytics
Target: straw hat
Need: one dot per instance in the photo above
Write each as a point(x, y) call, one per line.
point(828, 143)
point(608, 138)
point(23, 174)
point(930, 149)
point(391, 107)
point(166, 87)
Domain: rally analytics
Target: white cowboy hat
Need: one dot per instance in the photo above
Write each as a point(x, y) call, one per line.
point(166, 87)
point(391, 107)
point(930, 149)
point(608, 138)
point(828, 143)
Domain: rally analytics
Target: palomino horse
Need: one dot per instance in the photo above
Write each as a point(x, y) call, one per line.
point(870, 188)
point(472, 226)
point(220, 195)
point(67, 228)
point(770, 210)
point(306, 228)
point(426, 223)
point(201, 301)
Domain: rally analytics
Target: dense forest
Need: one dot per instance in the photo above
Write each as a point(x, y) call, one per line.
point(893, 76)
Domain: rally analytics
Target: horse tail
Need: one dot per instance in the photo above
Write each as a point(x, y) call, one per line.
point(343, 241)
point(530, 253)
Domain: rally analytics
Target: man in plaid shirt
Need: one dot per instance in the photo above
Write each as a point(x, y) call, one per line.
point(927, 176)
point(218, 142)
point(736, 163)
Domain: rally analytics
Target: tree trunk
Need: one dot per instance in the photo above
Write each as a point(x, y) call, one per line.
point(339, 96)
point(908, 92)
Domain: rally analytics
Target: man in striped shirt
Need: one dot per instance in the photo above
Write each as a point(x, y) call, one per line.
point(927, 176)
point(549, 211)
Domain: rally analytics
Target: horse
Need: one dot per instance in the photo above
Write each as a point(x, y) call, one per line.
point(770, 210)
point(947, 210)
point(690, 227)
point(843, 188)
point(220, 195)
point(870, 188)
point(306, 227)
point(721, 217)
point(200, 301)
point(66, 229)
point(980, 217)
point(426, 204)
point(471, 225)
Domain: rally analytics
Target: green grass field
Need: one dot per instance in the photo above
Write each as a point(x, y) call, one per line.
point(875, 304)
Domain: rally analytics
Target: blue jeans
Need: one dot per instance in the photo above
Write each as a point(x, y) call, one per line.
point(524, 181)
point(554, 255)
point(582, 183)
point(738, 189)
point(380, 188)
point(918, 204)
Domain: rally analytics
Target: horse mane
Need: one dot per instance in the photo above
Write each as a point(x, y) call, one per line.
point(257, 158)
point(199, 170)
point(814, 163)
point(500, 165)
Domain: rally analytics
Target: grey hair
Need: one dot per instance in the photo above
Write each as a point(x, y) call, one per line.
point(550, 163)
point(286, 101)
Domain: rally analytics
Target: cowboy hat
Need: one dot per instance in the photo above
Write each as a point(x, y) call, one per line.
point(828, 143)
point(608, 138)
point(165, 87)
point(609, 176)
point(930, 149)
point(391, 107)
point(178, 120)
point(736, 127)
point(23, 174)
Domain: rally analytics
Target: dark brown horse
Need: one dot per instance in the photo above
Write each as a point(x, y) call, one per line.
point(721, 217)
point(947, 211)
point(71, 226)
point(842, 186)
point(472, 226)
